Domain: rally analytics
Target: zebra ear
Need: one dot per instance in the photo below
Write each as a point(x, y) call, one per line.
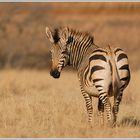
point(64, 34)
point(49, 34)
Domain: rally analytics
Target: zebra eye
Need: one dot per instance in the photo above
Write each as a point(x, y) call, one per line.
point(64, 52)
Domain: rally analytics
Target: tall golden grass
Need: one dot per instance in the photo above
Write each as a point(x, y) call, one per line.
point(33, 104)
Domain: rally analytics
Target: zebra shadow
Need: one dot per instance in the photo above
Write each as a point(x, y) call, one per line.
point(130, 121)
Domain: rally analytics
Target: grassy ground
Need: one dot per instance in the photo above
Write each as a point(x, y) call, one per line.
point(33, 104)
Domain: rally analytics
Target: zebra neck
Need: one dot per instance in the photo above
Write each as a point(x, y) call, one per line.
point(77, 54)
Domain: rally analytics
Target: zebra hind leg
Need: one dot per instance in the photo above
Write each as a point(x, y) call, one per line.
point(115, 109)
point(107, 106)
point(88, 100)
point(101, 112)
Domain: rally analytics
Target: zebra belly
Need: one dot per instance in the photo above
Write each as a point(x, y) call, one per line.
point(91, 90)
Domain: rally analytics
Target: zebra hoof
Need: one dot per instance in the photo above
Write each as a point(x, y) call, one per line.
point(114, 125)
point(90, 125)
point(109, 124)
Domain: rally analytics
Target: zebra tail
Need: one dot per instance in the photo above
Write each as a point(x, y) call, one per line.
point(116, 83)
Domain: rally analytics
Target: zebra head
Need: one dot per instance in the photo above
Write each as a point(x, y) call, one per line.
point(59, 50)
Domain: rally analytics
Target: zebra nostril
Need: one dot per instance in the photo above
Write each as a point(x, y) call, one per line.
point(55, 73)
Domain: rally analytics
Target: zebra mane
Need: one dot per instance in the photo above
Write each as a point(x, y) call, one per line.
point(72, 35)
point(79, 36)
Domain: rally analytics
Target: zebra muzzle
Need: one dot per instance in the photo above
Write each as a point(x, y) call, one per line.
point(55, 73)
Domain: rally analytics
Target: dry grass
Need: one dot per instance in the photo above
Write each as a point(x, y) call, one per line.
point(32, 104)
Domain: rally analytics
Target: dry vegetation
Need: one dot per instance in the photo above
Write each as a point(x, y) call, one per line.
point(32, 104)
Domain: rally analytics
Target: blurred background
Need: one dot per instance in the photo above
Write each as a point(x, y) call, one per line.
point(32, 103)
point(23, 43)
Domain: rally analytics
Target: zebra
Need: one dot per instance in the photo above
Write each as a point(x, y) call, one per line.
point(102, 71)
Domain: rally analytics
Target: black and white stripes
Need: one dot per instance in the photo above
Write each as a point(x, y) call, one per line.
point(102, 72)
point(123, 67)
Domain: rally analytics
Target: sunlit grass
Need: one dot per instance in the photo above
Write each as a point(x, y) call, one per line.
point(33, 104)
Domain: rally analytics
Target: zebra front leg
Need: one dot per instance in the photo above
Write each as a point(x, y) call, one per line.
point(115, 109)
point(107, 106)
point(101, 112)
